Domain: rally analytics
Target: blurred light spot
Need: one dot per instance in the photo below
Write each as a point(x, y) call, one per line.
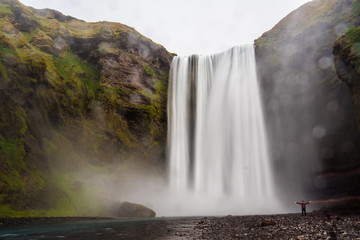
point(319, 131)
point(291, 49)
point(273, 104)
point(325, 62)
point(347, 147)
point(340, 28)
point(303, 78)
point(332, 106)
point(303, 81)
point(285, 99)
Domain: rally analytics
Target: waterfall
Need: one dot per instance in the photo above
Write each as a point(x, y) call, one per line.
point(217, 147)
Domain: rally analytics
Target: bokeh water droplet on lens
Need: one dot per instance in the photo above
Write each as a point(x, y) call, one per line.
point(319, 131)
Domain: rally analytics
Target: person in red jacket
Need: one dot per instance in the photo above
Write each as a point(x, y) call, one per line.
point(303, 207)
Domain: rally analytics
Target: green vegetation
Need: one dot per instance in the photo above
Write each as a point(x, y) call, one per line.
point(5, 9)
point(73, 69)
point(14, 151)
point(356, 9)
point(66, 107)
point(353, 35)
point(149, 70)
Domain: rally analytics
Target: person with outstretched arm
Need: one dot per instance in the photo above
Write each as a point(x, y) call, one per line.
point(303, 207)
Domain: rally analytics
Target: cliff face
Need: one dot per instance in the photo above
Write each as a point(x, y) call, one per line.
point(347, 62)
point(77, 100)
point(310, 111)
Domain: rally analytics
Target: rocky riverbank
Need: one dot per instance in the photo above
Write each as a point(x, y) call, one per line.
point(338, 222)
point(316, 225)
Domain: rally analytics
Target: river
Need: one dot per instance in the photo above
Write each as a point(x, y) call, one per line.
point(154, 228)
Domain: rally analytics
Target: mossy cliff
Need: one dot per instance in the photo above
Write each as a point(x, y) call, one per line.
point(310, 111)
point(77, 100)
point(347, 63)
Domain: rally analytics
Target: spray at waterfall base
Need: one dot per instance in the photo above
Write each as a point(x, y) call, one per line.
point(218, 155)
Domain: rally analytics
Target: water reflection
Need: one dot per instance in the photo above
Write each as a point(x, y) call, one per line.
point(155, 228)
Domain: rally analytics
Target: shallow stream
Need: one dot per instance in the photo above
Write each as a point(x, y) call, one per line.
point(155, 228)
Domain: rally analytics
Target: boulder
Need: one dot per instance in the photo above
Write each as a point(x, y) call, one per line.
point(134, 210)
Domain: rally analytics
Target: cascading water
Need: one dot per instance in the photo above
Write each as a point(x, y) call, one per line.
point(217, 148)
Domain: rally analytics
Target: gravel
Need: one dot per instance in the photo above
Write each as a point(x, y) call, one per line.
point(285, 226)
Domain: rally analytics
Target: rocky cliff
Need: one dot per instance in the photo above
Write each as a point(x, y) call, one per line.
point(347, 62)
point(77, 100)
point(310, 111)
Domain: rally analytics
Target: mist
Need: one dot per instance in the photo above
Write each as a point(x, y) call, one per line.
point(310, 116)
point(102, 157)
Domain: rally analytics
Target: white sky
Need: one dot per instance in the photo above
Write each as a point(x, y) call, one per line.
point(183, 26)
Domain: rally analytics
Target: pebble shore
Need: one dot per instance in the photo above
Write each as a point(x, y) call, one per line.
point(284, 226)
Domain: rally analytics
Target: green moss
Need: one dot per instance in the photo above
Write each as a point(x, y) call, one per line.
point(123, 133)
point(49, 147)
point(90, 124)
point(121, 91)
point(106, 32)
point(4, 76)
point(72, 68)
point(78, 200)
point(149, 70)
point(353, 35)
point(7, 51)
point(156, 111)
point(356, 49)
point(13, 181)
point(29, 36)
point(6, 54)
point(356, 8)
point(21, 116)
point(106, 48)
point(161, 85)
point(5, 9)
point(7, 211)
point(14, 151)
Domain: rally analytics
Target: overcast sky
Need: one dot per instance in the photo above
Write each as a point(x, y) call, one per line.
point(183, 26)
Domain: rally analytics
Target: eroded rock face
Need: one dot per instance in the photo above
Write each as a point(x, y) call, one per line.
point(75, 97)
point(347, 63)
point(309, 111)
